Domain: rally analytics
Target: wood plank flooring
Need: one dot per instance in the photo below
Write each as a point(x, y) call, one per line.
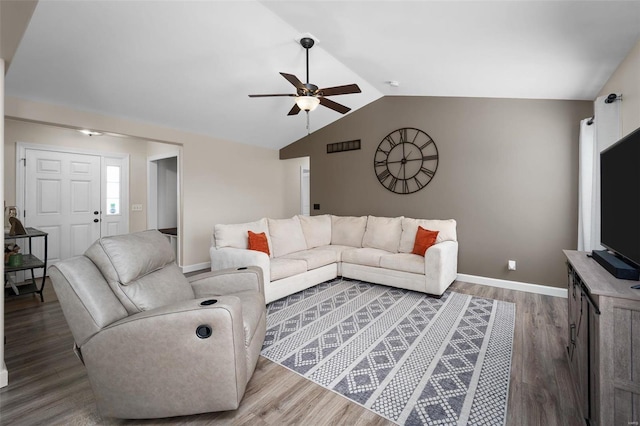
point(48, 384)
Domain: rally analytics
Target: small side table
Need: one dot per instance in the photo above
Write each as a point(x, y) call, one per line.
point(29, 262)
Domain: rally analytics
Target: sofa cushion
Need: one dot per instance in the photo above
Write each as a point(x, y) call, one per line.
point(383, 233)
point(237, 235)
point(446, 229)
point(425, 238)
point(364, 256)
point(337, 249)
point(315, 258)
point(283, 268)
point(286, 236)
point(258, 242)
point(405, 262)
point(348, 230)
point(316, 230)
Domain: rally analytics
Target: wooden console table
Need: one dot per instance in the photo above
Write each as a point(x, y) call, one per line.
point(603, 342)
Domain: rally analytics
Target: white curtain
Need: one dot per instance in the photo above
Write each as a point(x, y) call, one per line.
point(586, 183)
point(604, 132)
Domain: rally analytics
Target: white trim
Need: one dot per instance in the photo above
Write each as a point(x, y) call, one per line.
point(514, 285)
point(168, 154)
point(152, 194)
point(4, 375)
point(304, 194)
point(196, 267)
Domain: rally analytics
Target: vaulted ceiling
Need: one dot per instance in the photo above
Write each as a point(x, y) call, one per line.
point(190, 65)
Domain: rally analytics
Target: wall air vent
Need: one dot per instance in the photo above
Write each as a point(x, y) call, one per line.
point(343, 146)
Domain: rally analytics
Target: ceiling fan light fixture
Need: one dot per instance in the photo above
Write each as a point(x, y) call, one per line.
point(307, 102)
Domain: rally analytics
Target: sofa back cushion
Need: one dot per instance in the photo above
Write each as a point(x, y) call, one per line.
point(446, 231)
point(140, 268)
point(286, 236)
point(383, 233)
point(237, 235)
point(316, 230)
point(348, 230)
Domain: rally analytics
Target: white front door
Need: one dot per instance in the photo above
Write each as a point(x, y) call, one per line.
point(62, 198)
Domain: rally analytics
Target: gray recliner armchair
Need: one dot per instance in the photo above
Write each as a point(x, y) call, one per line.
point(154, 343)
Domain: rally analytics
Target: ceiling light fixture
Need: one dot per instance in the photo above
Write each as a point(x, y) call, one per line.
point(307, 103)
point(90, 132)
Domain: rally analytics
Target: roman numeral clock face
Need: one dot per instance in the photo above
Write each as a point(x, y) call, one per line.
point(406, 160)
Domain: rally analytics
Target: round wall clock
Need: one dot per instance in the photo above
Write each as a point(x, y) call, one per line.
point(406, 160)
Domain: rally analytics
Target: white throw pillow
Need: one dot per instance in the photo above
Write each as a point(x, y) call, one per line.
point(286, 236)
point(237, 235)
point(316, 230)
point(383, 233)
point(446, 231)
point(348, 230)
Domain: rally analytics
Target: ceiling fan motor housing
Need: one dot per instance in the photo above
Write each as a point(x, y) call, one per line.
point(310, 89)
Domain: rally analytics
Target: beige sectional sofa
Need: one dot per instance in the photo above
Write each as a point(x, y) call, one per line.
point(308, 250)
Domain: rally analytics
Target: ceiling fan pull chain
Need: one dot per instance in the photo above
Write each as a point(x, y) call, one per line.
point(308, 128)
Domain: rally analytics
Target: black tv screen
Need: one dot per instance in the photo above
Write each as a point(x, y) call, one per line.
point(620, 197)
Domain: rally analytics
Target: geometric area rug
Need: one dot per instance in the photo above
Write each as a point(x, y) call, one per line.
point(411, 358)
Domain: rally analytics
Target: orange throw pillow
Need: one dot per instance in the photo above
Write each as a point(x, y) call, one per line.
point(424, 240)
point(258, 242)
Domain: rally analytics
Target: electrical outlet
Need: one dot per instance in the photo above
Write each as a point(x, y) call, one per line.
point(136, 207)
point(511, 265)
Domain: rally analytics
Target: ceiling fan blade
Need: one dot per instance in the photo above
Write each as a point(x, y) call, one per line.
point(334, 106)
point(294, 80)
point(340, 90)
point(294, 110)
point(274, 94)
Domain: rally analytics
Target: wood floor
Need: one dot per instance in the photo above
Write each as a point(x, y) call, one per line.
point(48, 384)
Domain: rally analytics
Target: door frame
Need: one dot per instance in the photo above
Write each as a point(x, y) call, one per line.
point(305, 192)
point(21, 148)
point(152, 195)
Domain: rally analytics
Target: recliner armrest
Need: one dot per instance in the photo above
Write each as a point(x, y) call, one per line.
point(228, 281)
point(160, 350)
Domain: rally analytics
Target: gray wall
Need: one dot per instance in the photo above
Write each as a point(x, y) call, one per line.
point(507, 172)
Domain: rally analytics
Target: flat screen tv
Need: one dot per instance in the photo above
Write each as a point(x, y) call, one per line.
point(620, 198)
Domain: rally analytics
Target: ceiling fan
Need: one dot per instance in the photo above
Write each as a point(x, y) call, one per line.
point(309, 96)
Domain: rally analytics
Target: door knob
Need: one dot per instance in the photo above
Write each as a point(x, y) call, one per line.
point(95, 212)
point(96, 220)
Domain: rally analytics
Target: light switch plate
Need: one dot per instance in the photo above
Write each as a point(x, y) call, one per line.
point(136, 207)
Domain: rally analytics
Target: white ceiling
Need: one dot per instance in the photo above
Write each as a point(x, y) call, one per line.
point(190, 65)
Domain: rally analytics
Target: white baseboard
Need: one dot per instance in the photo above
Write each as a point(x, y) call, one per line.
point(196, 267)
point(4, 376)
point(514, 285)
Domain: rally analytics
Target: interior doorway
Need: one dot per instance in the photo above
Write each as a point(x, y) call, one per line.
point(163, 212)
point(305, 191)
